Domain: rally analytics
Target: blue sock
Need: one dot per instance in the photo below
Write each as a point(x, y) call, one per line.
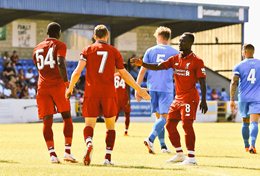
point(157, 128)
point(245, 134)
point(161, 139)
point(253, 132)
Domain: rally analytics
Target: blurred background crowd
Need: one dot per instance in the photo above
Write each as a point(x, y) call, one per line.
point(18, 79)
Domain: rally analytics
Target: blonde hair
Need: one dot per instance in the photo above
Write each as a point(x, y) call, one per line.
point(100, 31)
point(165, 32)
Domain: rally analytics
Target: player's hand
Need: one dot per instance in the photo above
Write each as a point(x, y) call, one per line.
point(233, 106)
point(143, 93)
point(68, 93)
point(137, 97)
point(136, 61)
point(203, 106)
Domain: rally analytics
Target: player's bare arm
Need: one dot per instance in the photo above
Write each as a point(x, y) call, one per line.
point(75, 77)
point(131, 82)
point(203, 103)
point(62, 68)
point(139, 80)
point(139, 62)
point(233, 88)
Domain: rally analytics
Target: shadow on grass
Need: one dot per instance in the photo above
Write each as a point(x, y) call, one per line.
point(9, 161)
point(232, 167)
point(132, 167)
point(138, 167)
point(207, 156)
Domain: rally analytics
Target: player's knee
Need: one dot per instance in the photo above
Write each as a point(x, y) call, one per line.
point(187, 126)
point(66, 115)
point(167, 125)
point(246, 120)
point(171, 126)
point(48, 117)
point(110, 123)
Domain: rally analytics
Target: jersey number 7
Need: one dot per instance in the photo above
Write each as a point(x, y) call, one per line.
point(103, 60)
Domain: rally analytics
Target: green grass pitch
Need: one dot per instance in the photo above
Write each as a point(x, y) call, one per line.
point(219, 151)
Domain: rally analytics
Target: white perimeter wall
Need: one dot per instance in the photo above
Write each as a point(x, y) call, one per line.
point(25, 110)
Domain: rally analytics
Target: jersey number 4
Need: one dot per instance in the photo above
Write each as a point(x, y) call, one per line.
point(48, 60)
point(251, 76)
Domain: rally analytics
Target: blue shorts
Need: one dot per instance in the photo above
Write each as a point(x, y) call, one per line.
point(160, 101)
point(247, 108)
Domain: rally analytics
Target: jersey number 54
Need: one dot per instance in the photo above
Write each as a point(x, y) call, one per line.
point(48, 60)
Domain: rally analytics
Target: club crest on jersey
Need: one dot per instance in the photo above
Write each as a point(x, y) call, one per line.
point(187, 66)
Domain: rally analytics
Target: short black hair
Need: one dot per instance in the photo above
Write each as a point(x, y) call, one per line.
point(53, 29)
point(249, 47)
point(190, 36)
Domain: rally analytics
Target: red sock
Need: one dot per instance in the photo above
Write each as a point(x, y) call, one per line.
point(174, 136)
point(68, 133)
point(52, 151)
point(127, 120)
point(189, 136)
point(48, 135)
point(110, 141)
point(88, 133)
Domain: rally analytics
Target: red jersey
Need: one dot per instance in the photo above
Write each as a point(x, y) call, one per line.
point(101, 61)
point(121, 87)
point(45, 58)
point(187, 70)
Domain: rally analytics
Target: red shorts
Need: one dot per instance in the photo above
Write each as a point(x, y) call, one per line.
point(52, 100)
point(93, 107)
point(182, 110)
point(123, 104)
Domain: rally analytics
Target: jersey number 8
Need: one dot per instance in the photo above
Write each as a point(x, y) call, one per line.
point(48, 60)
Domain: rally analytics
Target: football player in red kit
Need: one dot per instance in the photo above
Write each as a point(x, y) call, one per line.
point(100, 60)
point(188, 69)
point(123, 99)
point(49, 58)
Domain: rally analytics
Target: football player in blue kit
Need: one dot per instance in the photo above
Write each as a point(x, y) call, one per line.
point(247, 78)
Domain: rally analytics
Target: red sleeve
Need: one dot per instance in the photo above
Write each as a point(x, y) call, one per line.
point(61, 50)
point(119, 60)
point(200, 69)
point(34, 60)
point(83, 54)
point(169, 63)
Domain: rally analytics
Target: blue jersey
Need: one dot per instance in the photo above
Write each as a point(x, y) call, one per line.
point(249, 83)
point(162, 80)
